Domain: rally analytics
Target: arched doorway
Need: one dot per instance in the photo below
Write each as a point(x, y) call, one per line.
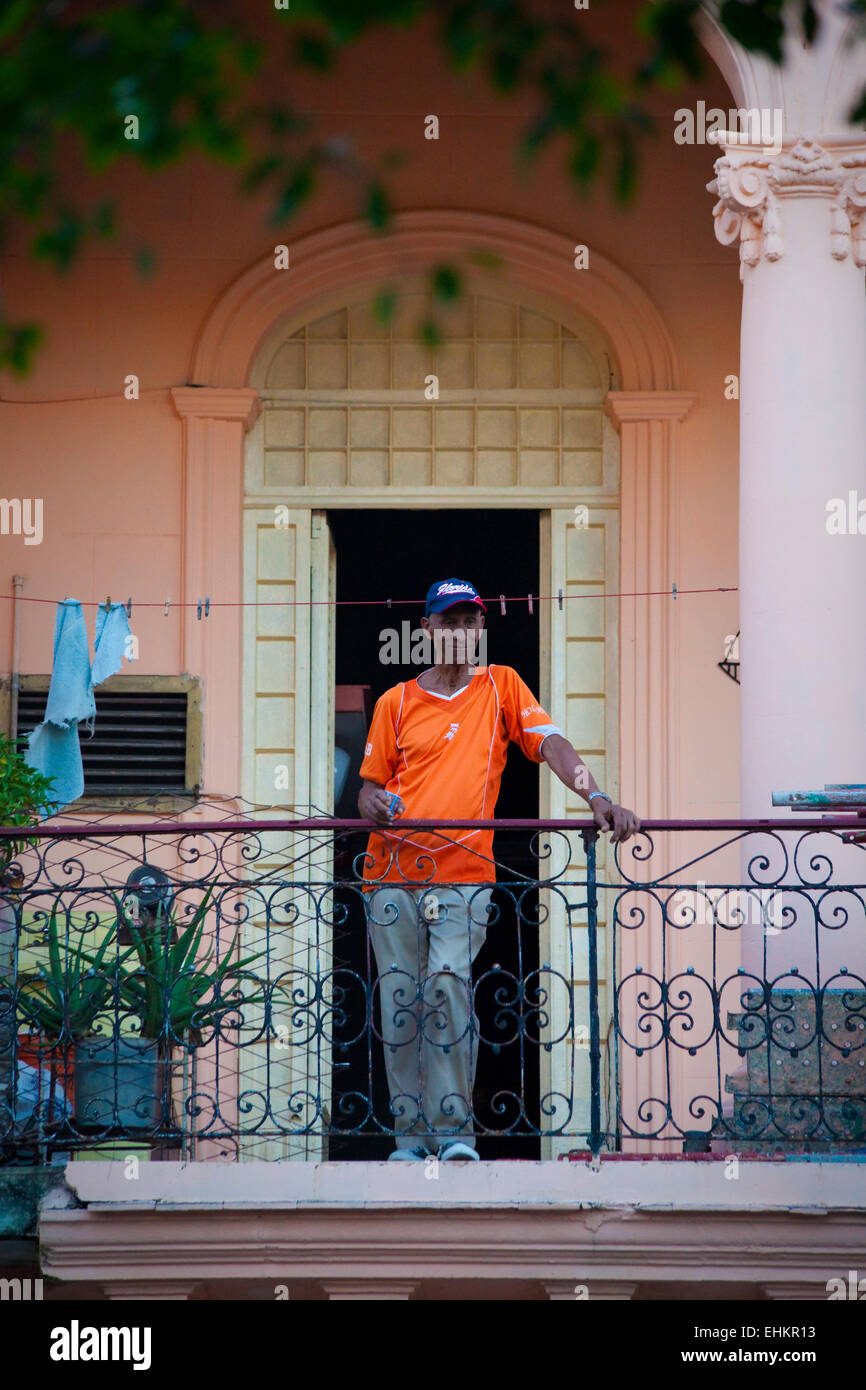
point(339, 267)
point(505, 418)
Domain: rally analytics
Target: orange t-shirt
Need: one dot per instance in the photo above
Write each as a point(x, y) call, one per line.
point(444, 757)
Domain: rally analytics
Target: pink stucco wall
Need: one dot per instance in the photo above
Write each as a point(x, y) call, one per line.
point(109, 470)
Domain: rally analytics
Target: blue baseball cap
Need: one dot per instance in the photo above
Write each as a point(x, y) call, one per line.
point(446, 592)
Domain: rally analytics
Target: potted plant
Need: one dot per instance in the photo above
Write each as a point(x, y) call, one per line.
point(69, 992)
point(123, 1080)
point(172, 994)
point(157, 987)
point(24, 795)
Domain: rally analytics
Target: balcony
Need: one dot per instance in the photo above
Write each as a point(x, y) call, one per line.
point(208, 990)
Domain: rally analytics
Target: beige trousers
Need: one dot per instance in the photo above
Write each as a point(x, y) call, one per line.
point(425, 940)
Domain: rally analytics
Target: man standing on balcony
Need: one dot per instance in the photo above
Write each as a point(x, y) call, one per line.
point(435, 750)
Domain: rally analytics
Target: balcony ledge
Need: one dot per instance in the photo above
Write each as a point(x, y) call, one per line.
point(782, 1229)
point(639, 1184)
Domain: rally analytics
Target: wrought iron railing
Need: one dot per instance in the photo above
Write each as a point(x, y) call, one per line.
point(224, 988)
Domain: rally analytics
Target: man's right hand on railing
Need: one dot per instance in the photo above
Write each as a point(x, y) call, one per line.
point(619, 819)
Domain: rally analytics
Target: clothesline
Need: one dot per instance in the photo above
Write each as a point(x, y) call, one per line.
point(501, 599)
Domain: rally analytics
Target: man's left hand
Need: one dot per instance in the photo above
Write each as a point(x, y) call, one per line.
point(619, 819)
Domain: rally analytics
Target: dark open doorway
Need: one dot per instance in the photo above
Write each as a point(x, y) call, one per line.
point(400, 553)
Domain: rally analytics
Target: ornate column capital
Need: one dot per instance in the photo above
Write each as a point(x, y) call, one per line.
point(751, 185)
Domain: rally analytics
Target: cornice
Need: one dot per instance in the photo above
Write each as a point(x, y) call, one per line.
point(453, 1241)
point(632, 406)
point(217, 403)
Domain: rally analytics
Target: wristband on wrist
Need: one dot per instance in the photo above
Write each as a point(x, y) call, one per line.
point(604, 794)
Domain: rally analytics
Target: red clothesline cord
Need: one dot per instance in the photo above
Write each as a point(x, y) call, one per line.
point(379, 602)
point(843, 820)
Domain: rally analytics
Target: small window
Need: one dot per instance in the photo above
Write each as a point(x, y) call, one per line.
point(146, 735)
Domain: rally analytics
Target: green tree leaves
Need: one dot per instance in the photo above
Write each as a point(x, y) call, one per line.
point(155, 81)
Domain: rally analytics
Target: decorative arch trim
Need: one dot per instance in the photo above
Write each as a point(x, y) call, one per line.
point(349, 254)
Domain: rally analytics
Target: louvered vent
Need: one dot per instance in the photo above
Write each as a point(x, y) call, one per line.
point(138, 744)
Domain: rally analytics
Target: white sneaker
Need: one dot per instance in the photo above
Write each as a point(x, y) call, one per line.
point(456, 1149)
point(418, 1154)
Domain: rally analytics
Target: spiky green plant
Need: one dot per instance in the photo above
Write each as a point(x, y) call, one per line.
point(72, 988)
point(173, 992)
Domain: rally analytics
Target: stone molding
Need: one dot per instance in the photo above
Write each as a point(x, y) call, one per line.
point(751, 185)
point(217, 403)
point(176, 1246)
point(563, 1223)
point(348, 254)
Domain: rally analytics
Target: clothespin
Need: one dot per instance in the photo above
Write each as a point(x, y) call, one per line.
point(502, 604)
point(559, 598)
point(388, 601)
point(108, 603)
point(675, 591)
point(198, 614)
point(129, 608)
point(530, 603)
point(167, 605)
point(207, 605)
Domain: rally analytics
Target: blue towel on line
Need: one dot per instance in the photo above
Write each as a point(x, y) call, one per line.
point(109, 643)
point(53, 747)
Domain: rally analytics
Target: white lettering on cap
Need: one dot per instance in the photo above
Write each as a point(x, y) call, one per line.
point(454, 589)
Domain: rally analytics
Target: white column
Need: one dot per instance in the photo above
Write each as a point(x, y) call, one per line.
point(798, 216)
point(797, 212)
